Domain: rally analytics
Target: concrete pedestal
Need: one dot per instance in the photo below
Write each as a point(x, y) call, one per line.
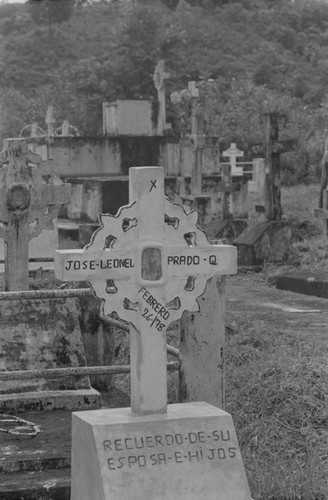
point(190, 453)
point(40, 334)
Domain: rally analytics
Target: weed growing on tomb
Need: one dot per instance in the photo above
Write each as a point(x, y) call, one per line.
point(276, 391)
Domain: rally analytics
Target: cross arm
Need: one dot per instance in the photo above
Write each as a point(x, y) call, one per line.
point(202, 261)
point(94, 265)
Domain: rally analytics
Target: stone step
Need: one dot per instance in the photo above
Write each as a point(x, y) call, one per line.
point(306, 282)
point(80, 399)
point(26, 464)
point(42, 485)
point(38, 468)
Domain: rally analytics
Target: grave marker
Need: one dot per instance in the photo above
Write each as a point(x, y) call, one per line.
point(50, 121)
point(149, 264)
point(233, 153)
point(272, 148)
point(66, 130)
point(159, 78)
point(31, 195)
point(197, 140)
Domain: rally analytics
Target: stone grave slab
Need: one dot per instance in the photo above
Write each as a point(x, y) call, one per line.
point(41, 334)
point(189, 453)
point(305, 282)
point(264, 241)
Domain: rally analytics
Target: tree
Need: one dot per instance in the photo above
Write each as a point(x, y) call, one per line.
point(50, 11)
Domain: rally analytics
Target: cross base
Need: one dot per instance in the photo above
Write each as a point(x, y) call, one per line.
point(190, 453)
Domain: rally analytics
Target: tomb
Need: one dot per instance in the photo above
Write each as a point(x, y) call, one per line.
point(148, 266)
point(36, 334)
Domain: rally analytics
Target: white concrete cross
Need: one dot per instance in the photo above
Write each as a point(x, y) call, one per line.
point(159, 78)
point(149, 264)
point(233, 153)
point(31, 195)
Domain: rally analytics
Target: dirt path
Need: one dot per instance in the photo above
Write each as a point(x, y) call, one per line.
point(301, 315)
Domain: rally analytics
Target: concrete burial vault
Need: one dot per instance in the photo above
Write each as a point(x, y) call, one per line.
point(149, 264)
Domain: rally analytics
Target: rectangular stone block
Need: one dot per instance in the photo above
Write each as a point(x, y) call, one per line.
point(190, 453)
point(40, 334)
point(252, 187)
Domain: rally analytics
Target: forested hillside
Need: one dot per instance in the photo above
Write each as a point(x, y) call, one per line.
point(247, 57)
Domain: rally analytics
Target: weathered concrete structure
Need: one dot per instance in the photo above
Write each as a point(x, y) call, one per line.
point(42, 334)
point(97, 168)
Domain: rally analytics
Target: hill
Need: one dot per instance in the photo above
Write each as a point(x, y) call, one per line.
point(247, 57)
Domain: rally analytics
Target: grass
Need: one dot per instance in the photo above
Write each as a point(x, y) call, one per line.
point(277, 386)
point(277, 393)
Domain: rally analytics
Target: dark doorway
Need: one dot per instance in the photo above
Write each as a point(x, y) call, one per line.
point(115, 195)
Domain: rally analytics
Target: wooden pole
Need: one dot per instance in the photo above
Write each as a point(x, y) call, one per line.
point(272, 163)
point(16, 257)
point(226, 184)
point(325, 212)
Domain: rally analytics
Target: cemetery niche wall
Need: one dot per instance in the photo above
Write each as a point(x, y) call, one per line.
point(139, 262)
point(98, 167)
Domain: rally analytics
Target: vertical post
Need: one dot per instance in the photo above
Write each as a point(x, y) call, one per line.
point(148, 348)
point(65, 128)
point(159, 78)
point(196, 173)
point(50, 121)
point(161, 110)
point(34, 129)
point(272, 160)
point(268, 166)
point(197, 168)
point(16, 257)
point(202, 348)
point(325, 212)
point(257, 191)
point(226, 187)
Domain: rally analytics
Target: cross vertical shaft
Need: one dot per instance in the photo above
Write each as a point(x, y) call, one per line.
point(147, 345)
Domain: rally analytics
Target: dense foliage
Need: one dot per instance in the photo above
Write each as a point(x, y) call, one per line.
point(247, 57)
